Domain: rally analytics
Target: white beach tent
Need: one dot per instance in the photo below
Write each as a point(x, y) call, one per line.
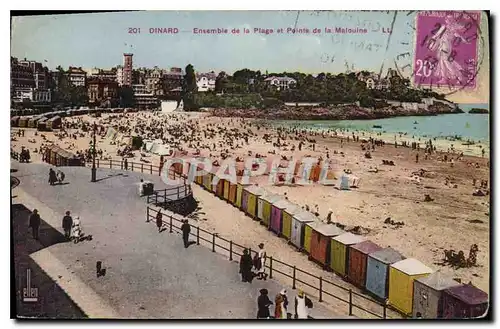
point(348, 181)
point(344, 183)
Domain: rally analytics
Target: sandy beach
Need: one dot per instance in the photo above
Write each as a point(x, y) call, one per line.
point(453, 220)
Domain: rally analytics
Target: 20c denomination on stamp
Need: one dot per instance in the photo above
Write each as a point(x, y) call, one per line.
point(446, 49)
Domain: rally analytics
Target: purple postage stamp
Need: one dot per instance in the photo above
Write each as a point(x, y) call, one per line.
point(446, 48)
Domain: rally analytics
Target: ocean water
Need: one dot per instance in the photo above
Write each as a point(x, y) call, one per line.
point(468, 126)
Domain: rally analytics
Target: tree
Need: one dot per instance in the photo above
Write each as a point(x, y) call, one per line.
point(221, 82)
point(189, 88)
point(78, 96)
point(126, 96)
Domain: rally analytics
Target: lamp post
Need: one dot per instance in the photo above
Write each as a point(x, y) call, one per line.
point(93, 170)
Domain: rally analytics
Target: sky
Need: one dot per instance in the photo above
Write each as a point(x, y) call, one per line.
point(99, 40)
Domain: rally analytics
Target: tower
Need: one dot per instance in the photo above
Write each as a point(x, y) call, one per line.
point(127, 69)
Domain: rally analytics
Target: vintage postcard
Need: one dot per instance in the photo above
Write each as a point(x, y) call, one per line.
point(251, 165)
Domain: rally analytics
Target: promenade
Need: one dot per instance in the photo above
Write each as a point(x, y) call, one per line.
point(148, 274)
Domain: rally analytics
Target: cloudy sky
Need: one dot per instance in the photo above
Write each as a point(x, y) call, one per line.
point(99, 40)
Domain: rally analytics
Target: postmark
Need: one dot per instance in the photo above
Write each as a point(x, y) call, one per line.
point(446, 49)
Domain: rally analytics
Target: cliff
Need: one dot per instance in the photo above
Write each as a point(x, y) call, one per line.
point(348, 112)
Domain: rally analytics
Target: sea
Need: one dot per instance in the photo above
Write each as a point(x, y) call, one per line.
point(474, 127)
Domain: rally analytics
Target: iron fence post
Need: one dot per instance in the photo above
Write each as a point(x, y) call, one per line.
point(132, 168)
point(320, 289)
point(271, 267)
point(231, 250)
point(294, 270)
point(142, 167)
point(170, 224)
point(165, 199)
point(156, 199)
point(151, 169)
point(350, 301)
point(121, 165)
point(213, 242)
point(97, 163)
point(198, 235)
point(147, 214)
point(384, 310)
point(110, 164)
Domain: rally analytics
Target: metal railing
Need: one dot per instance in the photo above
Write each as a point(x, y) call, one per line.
point(162, 197)
point(317, 286)
point(145, 168)
point(159, 196)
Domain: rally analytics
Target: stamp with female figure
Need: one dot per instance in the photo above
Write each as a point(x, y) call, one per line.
point(446, 49)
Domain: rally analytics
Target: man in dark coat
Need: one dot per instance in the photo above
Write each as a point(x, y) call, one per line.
point(35, 223)
point(246, 264)
point(186, 229)
point(67, 224)
point(52, 176)
point(159, 221)
point(263, 303)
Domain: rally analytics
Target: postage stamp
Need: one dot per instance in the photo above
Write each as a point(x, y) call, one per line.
point(446, 48)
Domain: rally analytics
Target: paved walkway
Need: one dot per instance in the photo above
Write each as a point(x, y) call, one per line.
point(148, 274)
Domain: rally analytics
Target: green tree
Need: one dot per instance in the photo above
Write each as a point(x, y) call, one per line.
point(189, 89)
point(221, 82)
point(126, 96)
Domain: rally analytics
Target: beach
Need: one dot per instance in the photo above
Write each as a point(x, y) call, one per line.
point(453, 220)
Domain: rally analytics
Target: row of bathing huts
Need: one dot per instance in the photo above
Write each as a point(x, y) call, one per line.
point(29, 118)
point(406, 284)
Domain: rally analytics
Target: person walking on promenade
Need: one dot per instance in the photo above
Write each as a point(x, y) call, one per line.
point(280, 306)
point(35, 223)
point(246, 266)
point(260, 263)
point(302, 303)
point(263, 303)
point(67, 224)
point(159, 221)
point(186, 229)
point(125, 164)
point(52, 176)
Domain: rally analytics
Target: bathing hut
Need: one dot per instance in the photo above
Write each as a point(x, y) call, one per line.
point(207, 181)
point(265, 203)
point(428, 295)
point(298, 227)
point(308, 229)
point(23, 122)
point(358, 257)
point(33, 121)
point(401, 277)
point(377, 271)
point(287, 219)
point(226, 187)
point(249, 199)
point(42, 124)
point(464, 301)
point(54, 123)
point(321, 237)
point(340, 252)
point(239, 193)
point(219, 188)
point(277, 215)
point(232, 192)
point(59, 157)
point(14, 121)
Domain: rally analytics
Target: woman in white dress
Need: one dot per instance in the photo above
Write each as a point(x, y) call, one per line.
point(76, 230)
point(261, 271)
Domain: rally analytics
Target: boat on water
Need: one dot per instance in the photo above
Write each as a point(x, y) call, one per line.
point(377, 126)
point(415, 122)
